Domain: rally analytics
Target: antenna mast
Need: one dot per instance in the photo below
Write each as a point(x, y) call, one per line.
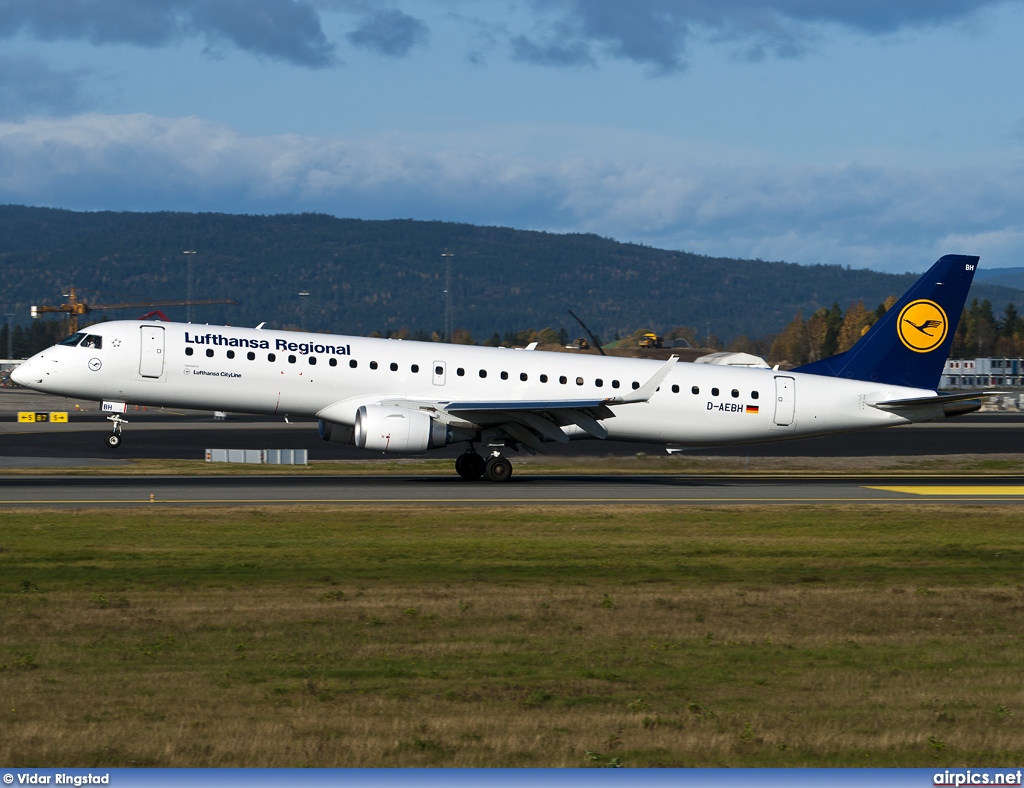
point(449, 329)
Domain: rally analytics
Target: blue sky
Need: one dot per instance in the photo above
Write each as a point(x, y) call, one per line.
point(869, 133)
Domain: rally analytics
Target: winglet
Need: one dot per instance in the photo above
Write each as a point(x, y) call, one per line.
point(646, 391)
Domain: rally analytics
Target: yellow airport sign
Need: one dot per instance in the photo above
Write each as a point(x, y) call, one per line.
point(31, 417)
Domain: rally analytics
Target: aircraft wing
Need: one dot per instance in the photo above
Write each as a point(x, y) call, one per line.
point(531, 422)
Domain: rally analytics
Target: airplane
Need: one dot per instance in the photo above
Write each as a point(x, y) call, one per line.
point(405, 397)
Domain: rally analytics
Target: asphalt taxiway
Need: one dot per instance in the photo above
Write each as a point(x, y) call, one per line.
point(186, 437)
point(101, 491)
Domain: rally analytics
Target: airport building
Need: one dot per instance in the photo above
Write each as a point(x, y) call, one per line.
point(970, 373)
point(6, 365)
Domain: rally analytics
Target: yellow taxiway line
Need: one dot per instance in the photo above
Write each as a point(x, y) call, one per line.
point(966, 490)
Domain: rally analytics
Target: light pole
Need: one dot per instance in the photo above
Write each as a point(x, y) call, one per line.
point(449, 329)
point(303, 296)
point(188, 284)
point(10, 335)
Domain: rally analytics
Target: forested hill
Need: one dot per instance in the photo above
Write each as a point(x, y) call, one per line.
point(365, 276)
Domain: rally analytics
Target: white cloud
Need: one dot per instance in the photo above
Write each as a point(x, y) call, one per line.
point(893, 219)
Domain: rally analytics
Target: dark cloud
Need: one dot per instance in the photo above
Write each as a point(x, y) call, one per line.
point(391, 32)
point(286, 30)
point(30, 87)
point(552, 53)
point(656, 33)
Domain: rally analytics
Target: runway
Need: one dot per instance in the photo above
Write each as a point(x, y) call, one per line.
point(187, 437)
point(524, 490)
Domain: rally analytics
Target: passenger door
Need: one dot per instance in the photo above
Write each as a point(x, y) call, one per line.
point(151, 360)
point(785, 403)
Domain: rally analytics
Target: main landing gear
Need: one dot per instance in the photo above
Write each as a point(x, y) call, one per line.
point(471, 466)
point(114, 438)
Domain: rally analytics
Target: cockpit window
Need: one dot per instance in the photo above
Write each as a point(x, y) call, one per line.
point(72, 340)
point(93, 341)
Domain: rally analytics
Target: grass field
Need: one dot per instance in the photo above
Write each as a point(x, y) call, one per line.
point(428, 636)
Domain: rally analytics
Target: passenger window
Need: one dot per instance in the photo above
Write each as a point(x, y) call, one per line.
point(94, 341)
point(599, 382)
point(438, 370)
point(188, 351)
point(636, 385)
point(231, 354)
point(209, 352)
point(415, 368)
point(504, 376)
point(754, 395)
point(522, 376)
point(394, 367)
point(735, 392)
point(714, 392)
point(251, 356)
point(615, 384)
point(579, 381)
point(312, 361)
point(563, 379)
point(72, 340)
point(353, 363)
point(695, 389)
point(291, 359)
point(460, 372)
point(332, 361)
point(271, 357)
point(675, 389)
point(483, 373)
point(373, 365)
point(543, 378)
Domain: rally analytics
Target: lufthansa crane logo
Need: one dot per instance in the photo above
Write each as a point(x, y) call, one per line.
point(922, 325)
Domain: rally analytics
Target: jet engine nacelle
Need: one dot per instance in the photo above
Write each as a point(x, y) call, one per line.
point(336, 433)
point(398, 430)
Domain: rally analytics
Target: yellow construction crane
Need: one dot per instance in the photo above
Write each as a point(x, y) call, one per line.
point(74, 307)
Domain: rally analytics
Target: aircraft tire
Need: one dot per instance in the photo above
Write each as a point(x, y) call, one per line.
point(498, 469)
point(113, 440)
point(470, 466)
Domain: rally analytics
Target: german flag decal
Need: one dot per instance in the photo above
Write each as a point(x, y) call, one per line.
point(751, 408)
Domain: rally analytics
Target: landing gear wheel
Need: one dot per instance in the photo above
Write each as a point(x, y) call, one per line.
point(113, 440)
point(470, 466)
point(498, 469)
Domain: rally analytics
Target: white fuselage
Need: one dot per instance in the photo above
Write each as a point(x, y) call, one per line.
point(289, 373)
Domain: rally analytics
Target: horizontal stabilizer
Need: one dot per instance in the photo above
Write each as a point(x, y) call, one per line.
point(939, 399)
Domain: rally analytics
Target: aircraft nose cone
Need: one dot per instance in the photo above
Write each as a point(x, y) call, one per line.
point(20, 374)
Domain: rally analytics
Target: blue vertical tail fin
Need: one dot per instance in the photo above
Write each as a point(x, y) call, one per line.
point(909, 344)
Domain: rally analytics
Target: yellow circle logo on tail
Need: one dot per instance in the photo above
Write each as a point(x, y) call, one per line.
point(922, 325)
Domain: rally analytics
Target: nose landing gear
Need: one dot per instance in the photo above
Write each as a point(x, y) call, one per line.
point(114, 438)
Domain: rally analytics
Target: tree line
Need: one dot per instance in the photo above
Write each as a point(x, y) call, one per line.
point(23, 342)
point(980, 333)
